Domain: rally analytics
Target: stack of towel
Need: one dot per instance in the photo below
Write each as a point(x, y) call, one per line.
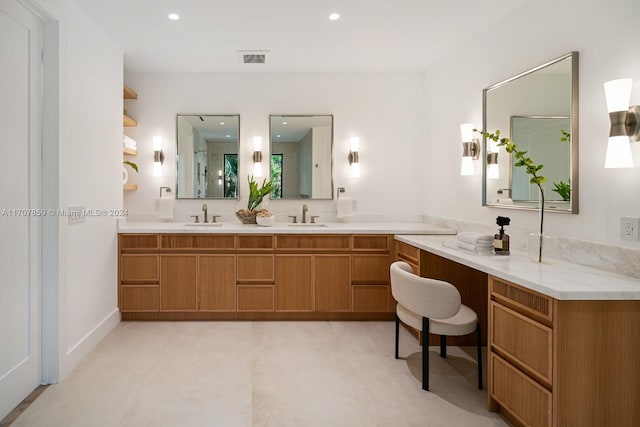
point(475, 242)
point(129, 143)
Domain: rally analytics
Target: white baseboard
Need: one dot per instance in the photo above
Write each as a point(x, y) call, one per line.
point(83, 347)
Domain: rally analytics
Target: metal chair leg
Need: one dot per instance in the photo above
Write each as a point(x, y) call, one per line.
point(397, 333)
point(425, 353)
point(443, 346)
point(479, 356)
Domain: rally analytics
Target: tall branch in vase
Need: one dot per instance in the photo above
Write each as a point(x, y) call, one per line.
point(522, 160)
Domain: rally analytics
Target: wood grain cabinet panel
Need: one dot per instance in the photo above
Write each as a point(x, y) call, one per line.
point(216, 283)
point(255, 242)
point(408, 253)
point(256, 298)
point(139, 268)
point(142, 298)
point(294, 283)
point(332, 282)
point(370, 269)
point(178, 282)
point(332, 242)
point(138, 241)
point(376, 242)
point(214, 241)
point(370, 298)
point(256, 268)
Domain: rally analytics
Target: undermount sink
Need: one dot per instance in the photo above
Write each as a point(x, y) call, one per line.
point(203, 224)
point(307, 224)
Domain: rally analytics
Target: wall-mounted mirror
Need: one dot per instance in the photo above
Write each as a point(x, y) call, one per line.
point(538, 111)
point(301, 156)
point(207, 156)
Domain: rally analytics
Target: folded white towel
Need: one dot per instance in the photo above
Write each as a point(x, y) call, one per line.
point(129, 142)
point(505, 201)
point(475, 248)
point(475, 238)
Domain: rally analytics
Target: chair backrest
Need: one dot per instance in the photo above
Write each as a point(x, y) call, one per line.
point(430, 298)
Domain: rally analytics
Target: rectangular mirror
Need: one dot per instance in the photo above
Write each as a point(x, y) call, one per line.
point(207, 158)
point(301, 156)
point(538, 111)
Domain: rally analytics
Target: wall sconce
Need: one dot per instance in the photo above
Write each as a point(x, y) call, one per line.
point(158, 156)
point(470, 149)
point(257, 156)
point(219, 178)
point(493, 170)
point(354, 162)
point(624, 123)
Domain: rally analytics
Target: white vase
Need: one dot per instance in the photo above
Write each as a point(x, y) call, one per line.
point(548, 252)
point(125, 176)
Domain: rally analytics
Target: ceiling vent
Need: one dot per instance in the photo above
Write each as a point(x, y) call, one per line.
point(252, 56)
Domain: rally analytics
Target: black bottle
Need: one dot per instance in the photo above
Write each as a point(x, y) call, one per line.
point(501, 239)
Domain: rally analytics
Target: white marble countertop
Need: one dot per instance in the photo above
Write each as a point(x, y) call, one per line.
point(561, 280)
point(285, 228)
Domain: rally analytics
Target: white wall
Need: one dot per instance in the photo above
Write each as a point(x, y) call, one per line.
point(90, 156)
point(537, 32)
point(384, 109)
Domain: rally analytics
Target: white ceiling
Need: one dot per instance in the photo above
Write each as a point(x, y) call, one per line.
point(379, 35)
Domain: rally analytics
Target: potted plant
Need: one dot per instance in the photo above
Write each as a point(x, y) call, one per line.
point(256, 196)
point(125, 174)
point(536, 240)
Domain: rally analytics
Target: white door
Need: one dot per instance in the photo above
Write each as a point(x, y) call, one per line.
point(20, 199)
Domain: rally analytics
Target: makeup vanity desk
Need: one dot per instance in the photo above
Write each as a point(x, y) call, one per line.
point(563, 339)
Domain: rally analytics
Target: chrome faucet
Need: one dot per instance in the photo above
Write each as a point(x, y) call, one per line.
point(204, 209)
point(304, 213)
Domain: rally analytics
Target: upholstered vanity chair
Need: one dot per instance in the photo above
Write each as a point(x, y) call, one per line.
point(431, 306)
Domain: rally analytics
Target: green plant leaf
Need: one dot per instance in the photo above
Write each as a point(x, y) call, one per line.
point(131, 164)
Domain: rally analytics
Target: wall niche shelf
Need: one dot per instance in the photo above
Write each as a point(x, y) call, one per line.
point(130, 187)
point(128, 122)
point(129, 93)
point(129, 151)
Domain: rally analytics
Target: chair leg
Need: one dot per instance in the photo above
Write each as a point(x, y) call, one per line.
point(425, 353)
point(443, 346)
point(479, 356)
point(397, 333)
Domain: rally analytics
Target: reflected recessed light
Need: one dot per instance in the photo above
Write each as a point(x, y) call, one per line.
point(284, 123)
point(221, 123)
point(228, 136)
point(277, 136)
point(334, 16)
point(174, 16)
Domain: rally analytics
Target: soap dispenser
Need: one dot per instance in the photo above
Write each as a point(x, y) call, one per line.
point(501, 239)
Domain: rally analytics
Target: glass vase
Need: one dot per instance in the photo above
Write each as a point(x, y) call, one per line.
point(542, 248)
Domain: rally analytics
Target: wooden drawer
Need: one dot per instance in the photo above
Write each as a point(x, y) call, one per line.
point(139, 268)
point(258, 242)
point(140, 298)
point(370, 269)
point(214, 241)
point(374, 242)
point(370, 298)
point(523, 300)
point(255, 268)
point(138, 241)
point(523, 398)
point(408, 253)
point(338, 242)
point(176, 241)
point(256, 298)
point(523, 341)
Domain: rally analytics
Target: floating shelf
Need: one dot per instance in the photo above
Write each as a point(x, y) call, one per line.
point(130, 187)
point(129, 93)
point(129, 151)
point(128, 122)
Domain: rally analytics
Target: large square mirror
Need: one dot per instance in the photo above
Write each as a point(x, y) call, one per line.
point(301, 156)
point(207, 156)
point(538, 111)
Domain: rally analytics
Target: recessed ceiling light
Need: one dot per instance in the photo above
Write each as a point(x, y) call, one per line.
point(174, 16)
point(334, 16)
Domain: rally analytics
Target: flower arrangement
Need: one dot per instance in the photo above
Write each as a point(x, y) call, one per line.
point(256, 197)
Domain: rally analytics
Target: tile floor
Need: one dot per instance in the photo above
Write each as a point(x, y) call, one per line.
point(276, 374)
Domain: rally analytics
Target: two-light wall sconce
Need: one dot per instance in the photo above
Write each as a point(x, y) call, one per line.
point(354, 162)
point(493, 170)
point(257, 156)
point(158, 156)
point(470, 149)
point(625, 123)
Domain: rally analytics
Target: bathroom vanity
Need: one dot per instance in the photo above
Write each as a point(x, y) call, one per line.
point(233, 271)
point(563, 339)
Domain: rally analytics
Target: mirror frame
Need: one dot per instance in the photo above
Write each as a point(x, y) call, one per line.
point(575, 188)
point(234, 115)
point(271, 116)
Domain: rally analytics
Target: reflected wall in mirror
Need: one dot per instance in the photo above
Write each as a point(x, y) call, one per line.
point(538, 110)
point(207, 156)
point(301, 156)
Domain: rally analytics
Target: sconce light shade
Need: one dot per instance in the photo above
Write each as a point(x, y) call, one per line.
point(158, 156)
point(257, 156)
point(219, 178)
point(618, 153)
point(624, 123)
point(493, 170)
point(618, 94)
point(470, 149)
point(354, 161)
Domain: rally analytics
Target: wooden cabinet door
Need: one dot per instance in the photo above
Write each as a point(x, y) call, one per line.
point(178, 275)
point(216, 282)
point(370, 269)
point(332, 282)
point(294, 285)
